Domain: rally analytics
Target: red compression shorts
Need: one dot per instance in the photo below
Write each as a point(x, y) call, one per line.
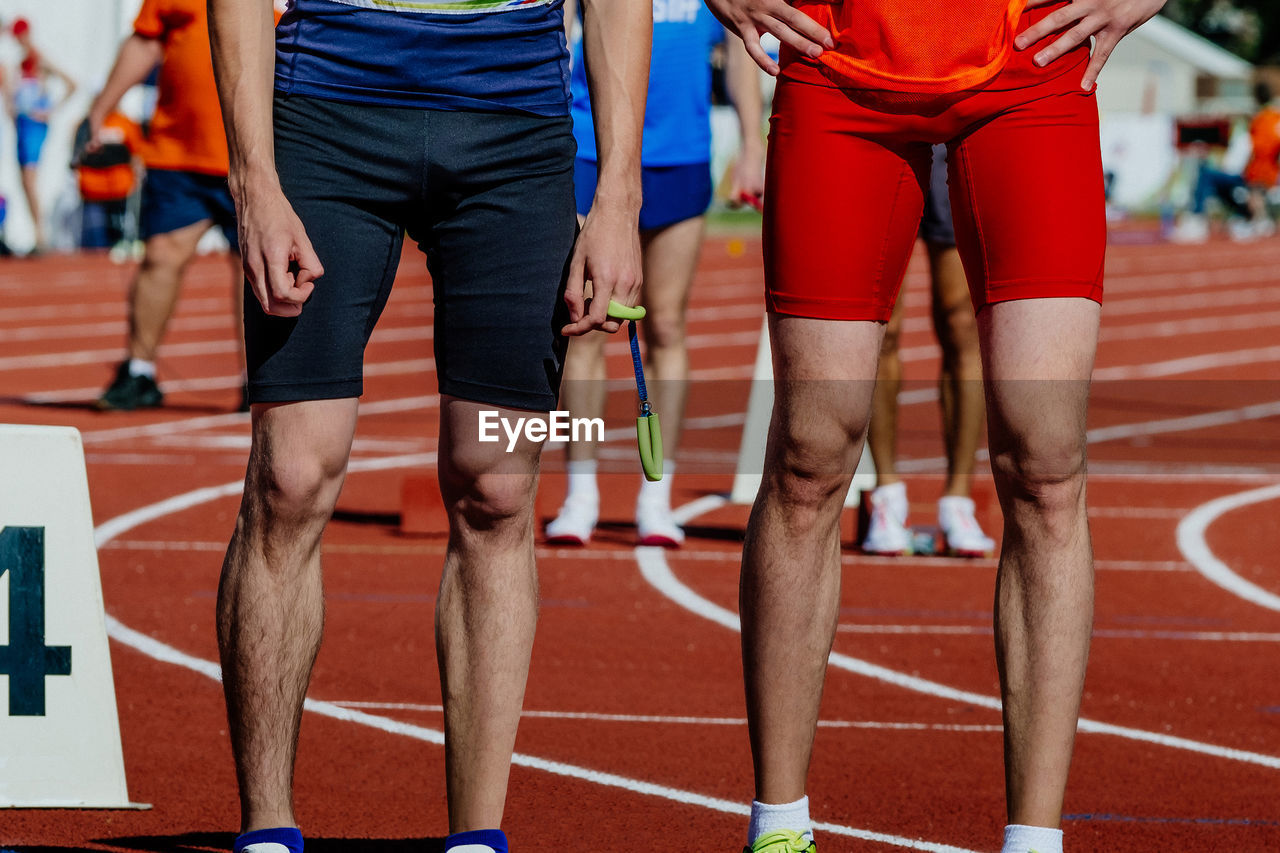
point(848, 170)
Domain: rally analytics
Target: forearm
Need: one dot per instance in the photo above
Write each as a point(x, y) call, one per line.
point(242, 38)
point(137, 57)
point(616, 42)
point(742, 79)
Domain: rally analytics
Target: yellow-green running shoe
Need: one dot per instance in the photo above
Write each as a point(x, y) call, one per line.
point(782, 841)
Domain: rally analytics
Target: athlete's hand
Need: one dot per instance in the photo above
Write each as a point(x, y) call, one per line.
point(607, 254)
point(1106, 21)
point(279, 262)
point(748, 19)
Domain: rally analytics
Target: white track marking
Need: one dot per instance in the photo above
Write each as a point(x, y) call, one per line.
point(1189, 364)
point(1098, 633)
point(680, 720)
point(165, 653)
point(654, 569)
point(1191, 542)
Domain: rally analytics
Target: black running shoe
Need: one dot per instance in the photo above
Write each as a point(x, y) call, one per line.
point(129, 392)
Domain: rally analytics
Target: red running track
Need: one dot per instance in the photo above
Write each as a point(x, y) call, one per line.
point(634, 737)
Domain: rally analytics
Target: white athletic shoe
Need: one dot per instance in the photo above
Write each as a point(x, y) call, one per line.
point(1191, 228)
point(575, 523)
point(964, 536)
point(887, 531)
point(655, 525)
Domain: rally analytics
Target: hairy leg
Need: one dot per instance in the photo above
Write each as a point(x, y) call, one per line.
point(1038, 356)
point(487, 609)
point(270, 598)
point(156, 286)
point(789, 597)
point(960, 380)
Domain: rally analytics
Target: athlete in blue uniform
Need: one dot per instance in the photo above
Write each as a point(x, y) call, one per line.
point(448, 120)
point(677, 190)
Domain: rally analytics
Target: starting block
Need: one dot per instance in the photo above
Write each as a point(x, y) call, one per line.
point(59, 733)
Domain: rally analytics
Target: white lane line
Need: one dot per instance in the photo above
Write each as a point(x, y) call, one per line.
point(654, 569)
point(1189, 364)
point(165, 653)
point(1098, 633)
point(681, 720)
point(1191, 542)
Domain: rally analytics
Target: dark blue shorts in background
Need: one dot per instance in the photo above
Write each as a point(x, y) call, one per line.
point(173, 200)
point(671, 193)
point(936, 226)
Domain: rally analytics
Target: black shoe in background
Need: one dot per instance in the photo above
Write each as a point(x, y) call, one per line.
point(129, 392)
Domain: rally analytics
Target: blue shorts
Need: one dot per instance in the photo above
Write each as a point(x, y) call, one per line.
point(671, 193)
point(173, 200)
point(31, 135)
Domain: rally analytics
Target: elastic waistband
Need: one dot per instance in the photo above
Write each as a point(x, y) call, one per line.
point(446, 7)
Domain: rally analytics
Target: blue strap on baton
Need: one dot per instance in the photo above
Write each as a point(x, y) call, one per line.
point(648, 430)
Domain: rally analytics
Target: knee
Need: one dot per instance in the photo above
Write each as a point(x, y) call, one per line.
point(165, 255)
point(665, 329)
point(808, 483)
point(490, 502)
point(1049, 478)
point(293, 492)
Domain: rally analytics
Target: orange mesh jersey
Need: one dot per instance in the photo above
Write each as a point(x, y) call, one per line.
point(186, 131)
point(1264, 164)
point(902, 46)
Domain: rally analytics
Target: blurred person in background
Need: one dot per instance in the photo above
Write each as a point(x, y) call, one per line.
point(1244, 194)
point(677, 190)
point(185, 191)
point(31, 101)
point(107, 177)
point(959, 394)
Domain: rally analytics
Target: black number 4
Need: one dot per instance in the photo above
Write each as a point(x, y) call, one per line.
point(27, 660)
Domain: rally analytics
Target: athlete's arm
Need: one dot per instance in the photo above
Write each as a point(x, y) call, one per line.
point(137, 57)
point(1106, 21)
point(742, 79)
point(616, 38)
point(747, 19)
point(272, 238)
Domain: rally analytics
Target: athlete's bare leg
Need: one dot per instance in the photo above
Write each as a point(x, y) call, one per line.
point(1038, 356)
point(960, 379)
point(487, 609)
point(882, 434)
point(156, 287)
point(270, 598)
point(789, 599)
point(31, 189)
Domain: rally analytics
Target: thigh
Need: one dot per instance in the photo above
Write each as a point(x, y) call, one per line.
point(352, 205)
point(1027, 197)
point(841, 209)
point(670, 259)
point(498, 230)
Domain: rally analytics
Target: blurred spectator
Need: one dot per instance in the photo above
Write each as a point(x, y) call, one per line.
point(31, 102)
point(185, 191)
point(1244, 194)
point(107, 177)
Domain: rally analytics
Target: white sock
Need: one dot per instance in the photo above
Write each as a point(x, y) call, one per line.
point(1031, 839)
point(658, 492)
point(766, 818)
point(582, 481)
point(140, 367)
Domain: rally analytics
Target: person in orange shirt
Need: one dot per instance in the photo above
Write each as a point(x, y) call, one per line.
point(1262, 173)
point(865, 88)
point(107, 178)
point(185, 190)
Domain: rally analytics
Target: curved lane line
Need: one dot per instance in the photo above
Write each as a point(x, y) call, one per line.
point(654, 568)
point(1192, 544)
point(165, 653)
